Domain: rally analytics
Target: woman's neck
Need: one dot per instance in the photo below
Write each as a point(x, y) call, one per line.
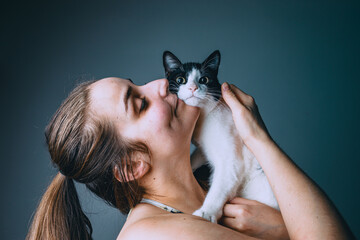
point(176, 187)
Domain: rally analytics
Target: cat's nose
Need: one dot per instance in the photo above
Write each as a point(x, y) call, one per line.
point(193, 88)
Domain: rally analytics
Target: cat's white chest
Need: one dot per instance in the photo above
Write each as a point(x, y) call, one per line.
point(217, 130)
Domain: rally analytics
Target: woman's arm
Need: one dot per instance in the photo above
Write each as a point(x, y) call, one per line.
point(307, 212)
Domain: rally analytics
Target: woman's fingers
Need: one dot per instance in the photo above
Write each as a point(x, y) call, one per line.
point(246, 99)
point(231, 223)
point(233, 96)
point(238, 207)
point(230, 210)
point(230, 97)
point(239, 200)
point(238, 210)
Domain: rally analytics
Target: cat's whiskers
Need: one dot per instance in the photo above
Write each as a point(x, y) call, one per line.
point(173, 87)
point(214, 93)
point(219, 103)
point(209, 99)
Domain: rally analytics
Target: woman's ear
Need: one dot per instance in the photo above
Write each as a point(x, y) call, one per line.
point(139, 166)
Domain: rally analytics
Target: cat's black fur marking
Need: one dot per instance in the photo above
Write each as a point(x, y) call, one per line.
point(209, 68)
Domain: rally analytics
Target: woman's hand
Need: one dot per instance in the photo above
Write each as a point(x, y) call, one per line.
point(254, 219)
point(245, 114)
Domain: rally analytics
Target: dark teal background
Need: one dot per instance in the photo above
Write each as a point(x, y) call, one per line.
point(299, 59)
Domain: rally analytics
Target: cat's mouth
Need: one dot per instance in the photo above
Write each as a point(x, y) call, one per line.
point(193, 101)
point(193, 97)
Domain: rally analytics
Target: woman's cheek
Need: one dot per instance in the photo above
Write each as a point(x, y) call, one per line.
point(160, 117)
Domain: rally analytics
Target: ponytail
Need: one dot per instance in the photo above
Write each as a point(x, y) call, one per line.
point(85, 147)
point(59, 214)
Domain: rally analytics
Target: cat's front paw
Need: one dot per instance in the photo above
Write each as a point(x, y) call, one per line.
point(208, 215)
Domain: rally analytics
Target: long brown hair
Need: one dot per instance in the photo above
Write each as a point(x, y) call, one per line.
point(84, 148)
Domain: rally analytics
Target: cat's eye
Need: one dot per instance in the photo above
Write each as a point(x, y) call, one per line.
point(180, 80)
point(204, 80)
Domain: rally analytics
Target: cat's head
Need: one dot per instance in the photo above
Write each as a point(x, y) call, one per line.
point(194, 83)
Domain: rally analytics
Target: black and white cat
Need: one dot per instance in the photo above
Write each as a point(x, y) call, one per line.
point(235, 171)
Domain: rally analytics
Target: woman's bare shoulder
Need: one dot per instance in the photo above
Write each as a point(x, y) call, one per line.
point(179, 226)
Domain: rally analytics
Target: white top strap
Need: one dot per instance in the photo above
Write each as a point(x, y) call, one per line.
point(160, 205)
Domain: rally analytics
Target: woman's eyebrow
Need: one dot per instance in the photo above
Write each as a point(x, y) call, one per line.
point(126, 97)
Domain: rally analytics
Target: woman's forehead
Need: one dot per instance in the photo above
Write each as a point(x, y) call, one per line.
point(106, 86)
point(106, 93)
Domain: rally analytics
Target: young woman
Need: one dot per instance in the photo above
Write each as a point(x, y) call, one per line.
point(130, 145)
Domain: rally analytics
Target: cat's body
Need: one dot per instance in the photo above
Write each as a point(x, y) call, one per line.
point(235, 171)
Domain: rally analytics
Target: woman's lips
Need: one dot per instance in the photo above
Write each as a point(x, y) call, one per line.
point(176, 105)
point(178, 101)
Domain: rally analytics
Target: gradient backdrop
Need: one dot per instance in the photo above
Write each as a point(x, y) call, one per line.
point(299, 59)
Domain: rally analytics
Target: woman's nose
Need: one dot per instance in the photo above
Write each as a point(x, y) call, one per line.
point(161, 86)
point(164, 87)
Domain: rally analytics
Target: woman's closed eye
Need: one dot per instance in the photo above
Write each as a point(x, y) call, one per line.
point(143, 104)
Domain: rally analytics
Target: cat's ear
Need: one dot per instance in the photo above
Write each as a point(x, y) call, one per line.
point(212, 61)
point(138, 167)
point(170, 62)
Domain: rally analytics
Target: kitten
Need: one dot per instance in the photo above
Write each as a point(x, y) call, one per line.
point(235, 171)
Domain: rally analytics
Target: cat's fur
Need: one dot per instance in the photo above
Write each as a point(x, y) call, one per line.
point(235, 171)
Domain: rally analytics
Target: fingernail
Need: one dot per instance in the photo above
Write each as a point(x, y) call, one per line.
point(226, 86)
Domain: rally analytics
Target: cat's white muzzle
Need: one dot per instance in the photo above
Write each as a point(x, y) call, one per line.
point(193, 101)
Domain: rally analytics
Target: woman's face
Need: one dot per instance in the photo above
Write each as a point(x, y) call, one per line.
point(148, 113)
